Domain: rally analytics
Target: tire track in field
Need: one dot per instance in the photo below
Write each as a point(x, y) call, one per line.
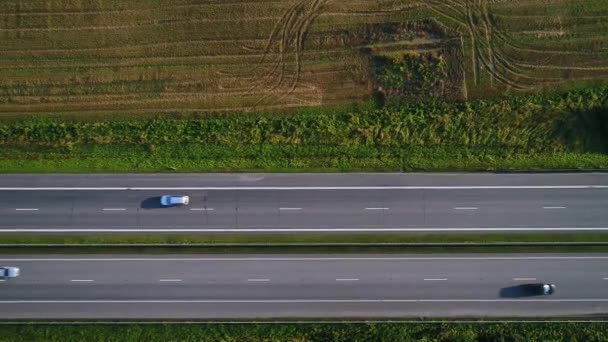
point(286, 41)
point(475, 18)
point(512, 64)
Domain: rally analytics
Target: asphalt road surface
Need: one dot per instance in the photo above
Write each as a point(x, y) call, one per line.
point(337, 286)
point(305, 203)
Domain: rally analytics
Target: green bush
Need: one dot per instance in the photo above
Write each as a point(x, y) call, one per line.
point(539, 131)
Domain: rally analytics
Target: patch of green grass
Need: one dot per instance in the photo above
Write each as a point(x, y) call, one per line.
point(352, 332)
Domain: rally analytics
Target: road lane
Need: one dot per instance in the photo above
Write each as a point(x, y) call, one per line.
point(255, 286)
point(317, 209)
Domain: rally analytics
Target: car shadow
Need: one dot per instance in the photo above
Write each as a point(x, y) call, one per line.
point(151, 203)
point(519, 291)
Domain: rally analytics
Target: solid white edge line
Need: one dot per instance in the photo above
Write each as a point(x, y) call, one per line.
point(170, 280)
point(347, 279)
point(233, 188)
point(554, 207)
point(26, 209)
point(312, 301)
point(258, 259)
point(202, 209)
point(290, 208)
point(82, 280)
point(523, 279)
point(294, 230)
point(377, 208)
point(258, 280)
point(466, 208)
point(114, 209)
point(274, 322)
point(436, 279)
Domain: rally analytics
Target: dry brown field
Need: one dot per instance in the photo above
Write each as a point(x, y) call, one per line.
point(154, 56)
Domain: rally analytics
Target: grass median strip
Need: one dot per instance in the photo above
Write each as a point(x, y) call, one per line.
point(307, 243)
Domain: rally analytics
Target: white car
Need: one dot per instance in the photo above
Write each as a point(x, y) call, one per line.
point(9, 272)
point(171, 200)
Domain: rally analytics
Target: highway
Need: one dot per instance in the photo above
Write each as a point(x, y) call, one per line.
point(305, 203)
point(289, 286)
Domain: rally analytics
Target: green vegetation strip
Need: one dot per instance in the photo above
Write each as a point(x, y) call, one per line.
point(549, 131)
point(301, 238)
point(308, 243)
point(427, 332)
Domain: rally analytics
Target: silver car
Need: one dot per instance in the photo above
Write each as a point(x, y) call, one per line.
point(171, 200)
point(9, 272)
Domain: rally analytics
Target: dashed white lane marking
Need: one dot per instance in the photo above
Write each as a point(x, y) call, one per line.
point(26, 209)
point(82, 280)
point(290, 208)
point(258, 280)
point(605, 278)
point(436, 279)
point(170, 280)
point(466, 208)
point(347, 279)
point(377, 208)
point(554, 207)
point(202, 209)
point(114, 209)
point(523, 279)
point(1, 280)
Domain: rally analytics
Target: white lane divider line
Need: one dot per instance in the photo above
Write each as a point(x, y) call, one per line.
point(435, 279)
point(202, 209)
point(114, 209)
point(523, 279)
point(290, 208)
point(249, 188)
point(298, 230)
point(82, 280)
point(1, 280)
point(170, 280)
point(377, 208)
point(258, 280)
point(605, 278)
point(466, 208)
point(554, 207)
point(347, 279)
point(26, 209)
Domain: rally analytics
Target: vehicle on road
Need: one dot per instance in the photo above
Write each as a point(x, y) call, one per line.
point(9, 272)
point(173, 200)
point(542, 288)
point(548, 289)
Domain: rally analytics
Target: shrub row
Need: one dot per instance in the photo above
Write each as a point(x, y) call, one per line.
point(541, 131)
point(555, 122)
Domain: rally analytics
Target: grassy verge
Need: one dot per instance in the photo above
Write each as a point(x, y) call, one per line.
point(550, 131)
point(428, 332)
point(307, 243)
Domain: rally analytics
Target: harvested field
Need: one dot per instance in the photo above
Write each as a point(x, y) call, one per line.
point(143, 56)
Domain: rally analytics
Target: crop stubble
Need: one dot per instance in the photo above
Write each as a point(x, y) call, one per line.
point(147, 55)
